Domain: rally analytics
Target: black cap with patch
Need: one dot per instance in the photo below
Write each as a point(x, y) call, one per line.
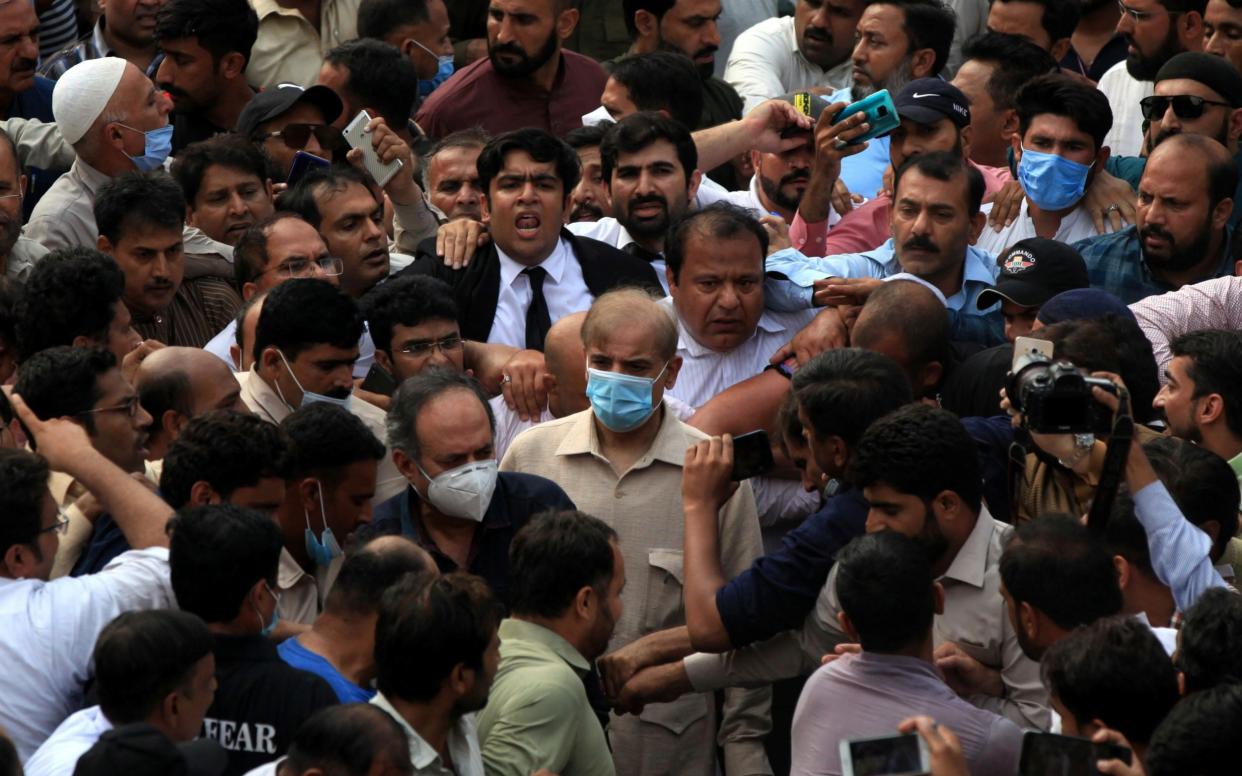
point(928, 100)
point(1033, 271)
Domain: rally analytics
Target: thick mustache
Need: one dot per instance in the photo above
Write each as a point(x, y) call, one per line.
point(920, 243)
point(800, 176)
point(587, 208)
point(705, 51)
point(508, 48)
point(1154, 231)
point(818, 33)
point(649, 199)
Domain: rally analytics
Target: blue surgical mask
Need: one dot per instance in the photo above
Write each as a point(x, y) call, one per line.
point(1052, 182)
point(309, 397)
point(621, 402)
point(443, 72)
point(270, 625)
point(157, 146)
point(324, 549)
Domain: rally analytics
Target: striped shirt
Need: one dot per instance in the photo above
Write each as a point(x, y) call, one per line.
point(58, 27)
point(1212, 304)
point(201, 307)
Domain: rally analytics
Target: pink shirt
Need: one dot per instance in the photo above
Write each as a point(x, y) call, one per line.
point(866, 226)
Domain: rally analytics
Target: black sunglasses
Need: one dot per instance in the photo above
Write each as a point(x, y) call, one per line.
point(296, 136)
point(1186, 106)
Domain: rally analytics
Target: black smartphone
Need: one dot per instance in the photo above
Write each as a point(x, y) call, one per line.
point(379, 381)
point(1046, 754)
point(752, 455)
point(302, 164)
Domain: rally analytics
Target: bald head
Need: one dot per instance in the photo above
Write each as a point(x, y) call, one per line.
point(905, 321)
point(565, 360)
point(1195, 158)
point(371, 570)
point(242, 349)
point(633, 309)
point(177, 384)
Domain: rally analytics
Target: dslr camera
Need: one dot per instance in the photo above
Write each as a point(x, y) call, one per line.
point(1054, 397)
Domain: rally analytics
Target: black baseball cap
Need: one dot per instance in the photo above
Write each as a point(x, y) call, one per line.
point(141, 749)
point(1033, 271)
point(270, 103)
point(928, 100)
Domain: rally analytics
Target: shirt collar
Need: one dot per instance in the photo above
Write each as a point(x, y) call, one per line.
point(267, 400)
point(970, 565)
point(91, 178)
point(422, 754)
point(528, 631)
point(99, 41)
point(266, 8)
point(669, 444)
point(288, 572)
point(554, 264)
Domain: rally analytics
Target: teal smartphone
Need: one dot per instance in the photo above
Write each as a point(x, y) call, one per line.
point(881, 115)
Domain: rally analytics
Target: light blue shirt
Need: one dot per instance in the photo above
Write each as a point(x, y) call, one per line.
point(1179, 549)
point(863, 173)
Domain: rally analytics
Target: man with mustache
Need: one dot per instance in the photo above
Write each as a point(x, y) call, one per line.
point(226, 189)
point(141, 219)
point(451, 175)
point(934, 222)
point(686, 27)
point(206, 45)
point(527, 80)
point(126, 29)
point(22, 93)
point(1155, 32)
point(590, 200)
point(17, 254)
point(1181, 235)
point(810, 49)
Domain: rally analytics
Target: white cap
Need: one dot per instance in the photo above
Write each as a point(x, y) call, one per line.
point(921, 282)
point(82, 93)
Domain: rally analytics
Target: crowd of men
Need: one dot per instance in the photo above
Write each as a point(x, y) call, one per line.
point(380, 380)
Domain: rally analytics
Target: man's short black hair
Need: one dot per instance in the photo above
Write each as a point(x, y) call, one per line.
point(1114, 670)
point(541, 146)
point(929, 24)
point(141, 657)
point(63, 382)
point(302, 198)
point(1203, 485)
point(304, 312)
point(587, 135)
point(220, 26)
point(1055, 565)
point(1215, 366)
point(228, 150)
point(446, 621)
point(324, 439)
point(639, 130)
point(217, 554)
point(250, 256)
point(1015, 61)
point(1058, 94)
point(379, 18)
point(138, 198)
point(919, 451)
point(1059, 18)
point(1199, 736)
point(844, 391)
point(656, 8)
point(369, 571)
point(663, 81)
point(945, 166)
point(23, 489)
point(1112, 343)
point(228, 450)
point(718, 221)
point(380, 78)
point(1207, 652)
point(348, 738)
point(884, 582)
point(71, 292)
point(406, 300)
point(554, 556)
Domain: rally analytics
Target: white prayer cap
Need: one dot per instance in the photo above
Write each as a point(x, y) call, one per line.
point(83, 92)
point(921, 282)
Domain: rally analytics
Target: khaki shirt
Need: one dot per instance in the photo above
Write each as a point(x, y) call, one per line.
point(289, 49)
point(975, 618)
point(39, 144)
point(267, 404)
point(643, 506)
point(537, 714)
point(65, 216)
point(299, 592)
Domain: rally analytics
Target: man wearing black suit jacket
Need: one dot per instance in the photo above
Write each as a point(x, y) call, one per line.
point(533, 271)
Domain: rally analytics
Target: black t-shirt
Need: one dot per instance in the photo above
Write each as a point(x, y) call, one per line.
point(260, 702)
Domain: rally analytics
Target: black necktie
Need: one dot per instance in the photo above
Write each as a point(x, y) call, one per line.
point(639, 252)
point(538, 320)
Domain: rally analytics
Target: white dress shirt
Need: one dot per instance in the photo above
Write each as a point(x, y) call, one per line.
point(58, 755)
point(462, 742)
point(765, 62)
point(1124, 92)
point(48, 632)
point(1074, 227)
point(564, 289)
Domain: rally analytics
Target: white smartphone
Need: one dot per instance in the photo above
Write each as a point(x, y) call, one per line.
point(885, 756)
point(357, 137)
point(1023, 347)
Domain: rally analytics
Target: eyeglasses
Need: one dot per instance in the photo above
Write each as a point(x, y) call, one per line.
point(1137, 16)
point(129, 407)
point(296, 136)
point(1186, 106)
point(446, 345)
point(300, 267)
point(61, 526)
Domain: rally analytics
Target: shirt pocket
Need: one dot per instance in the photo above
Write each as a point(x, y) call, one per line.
point(664, 607)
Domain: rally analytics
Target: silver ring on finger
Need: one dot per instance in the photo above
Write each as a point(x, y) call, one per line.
point(505, 379)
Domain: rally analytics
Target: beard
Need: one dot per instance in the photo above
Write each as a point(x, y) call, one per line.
point(775, 190)
point(1143, 67)
point(930, 538)
point(650, 227)
point(1178, 257)
point(585, 211)
point(894, 83)
point(705, 69)
point(1222, 136)
point(526, 64)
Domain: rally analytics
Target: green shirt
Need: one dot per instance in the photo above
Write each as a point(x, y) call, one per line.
point(537, 715)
